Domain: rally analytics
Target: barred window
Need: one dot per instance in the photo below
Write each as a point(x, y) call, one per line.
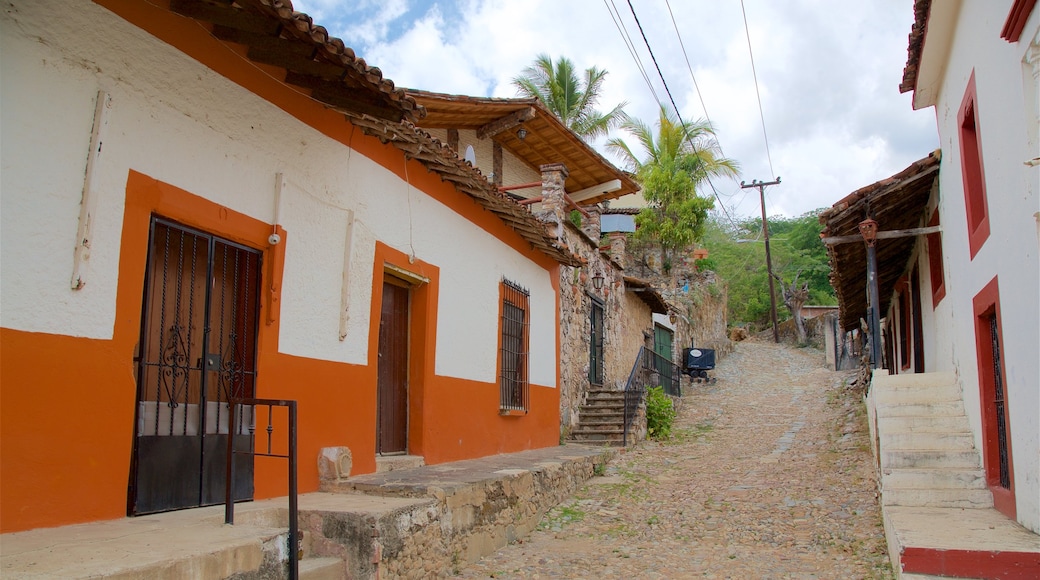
point(513, 347)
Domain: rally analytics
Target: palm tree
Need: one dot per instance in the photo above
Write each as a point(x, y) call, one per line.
point(571, 99)
point(679, 158)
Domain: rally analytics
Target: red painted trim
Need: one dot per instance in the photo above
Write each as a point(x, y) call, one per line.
point(935, 262)
point(1016, 20)
point(971, 169)
point(971, 563)
point(985, 304)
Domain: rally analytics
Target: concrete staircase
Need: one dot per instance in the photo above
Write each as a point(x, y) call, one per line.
point(938, 511)
point(601, 420)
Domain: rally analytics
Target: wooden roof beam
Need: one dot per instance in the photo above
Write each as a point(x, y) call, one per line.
point(505, 123)
point(229, 16)
point(263, 42)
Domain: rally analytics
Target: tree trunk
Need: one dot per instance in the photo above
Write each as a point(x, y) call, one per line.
point(794, 298)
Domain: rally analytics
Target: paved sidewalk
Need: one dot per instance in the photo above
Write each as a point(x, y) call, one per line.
point(768, 475)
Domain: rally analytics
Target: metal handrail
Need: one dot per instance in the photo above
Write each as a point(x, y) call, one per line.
point(647, 372)
point(633, 394)
point(229, 501)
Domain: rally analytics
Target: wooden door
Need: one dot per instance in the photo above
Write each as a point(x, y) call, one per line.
point(197, 348)
point(663, 348)
point(392, 387)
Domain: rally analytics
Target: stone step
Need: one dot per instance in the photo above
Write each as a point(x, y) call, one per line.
point(927, 441)
point(597, 425)
point(932, 479)
point(924, 543)
point(386, 463)
point(930, 459)
point(603, 409)
point(938, 498)
point(604, 399)
point(904, 395)
point(937, 409)
point(322, 569)
point(882, 380)
point(924, 424)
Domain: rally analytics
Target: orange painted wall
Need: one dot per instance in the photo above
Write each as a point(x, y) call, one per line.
point(67, 404)
point(67, 429)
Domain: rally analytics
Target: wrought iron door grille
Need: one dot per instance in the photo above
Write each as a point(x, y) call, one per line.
point(513, 352)
point(999, 405)
point(198, 349)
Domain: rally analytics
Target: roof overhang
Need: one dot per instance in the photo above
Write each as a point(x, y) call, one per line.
point(897, 203)
point(303, 55)
point(647, 294)
point(929, 49)
point(547, 140)
point(280, 42)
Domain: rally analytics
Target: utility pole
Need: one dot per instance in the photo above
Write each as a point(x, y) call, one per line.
point(761, 186)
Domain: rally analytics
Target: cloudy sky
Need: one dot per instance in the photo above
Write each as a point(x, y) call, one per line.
point(828, 74)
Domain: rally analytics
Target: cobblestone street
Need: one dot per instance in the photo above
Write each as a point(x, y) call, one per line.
point(768, 474)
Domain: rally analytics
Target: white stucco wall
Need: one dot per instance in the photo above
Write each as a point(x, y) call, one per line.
point(177, 121)
point(1006, 120)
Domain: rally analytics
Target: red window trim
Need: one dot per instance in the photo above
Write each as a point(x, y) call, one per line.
point(935, 262)
point(976, 206)
point(1016, 20)
point(985, 303)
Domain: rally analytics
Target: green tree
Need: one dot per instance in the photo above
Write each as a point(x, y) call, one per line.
point(739, 254)
point(569, 97)
point(676, 160)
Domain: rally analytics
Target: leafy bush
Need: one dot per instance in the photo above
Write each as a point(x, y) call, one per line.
point(660, 414)
point(705, 264)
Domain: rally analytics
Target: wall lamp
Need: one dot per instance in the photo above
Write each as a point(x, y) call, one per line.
point(521, 133)
point(597, 280)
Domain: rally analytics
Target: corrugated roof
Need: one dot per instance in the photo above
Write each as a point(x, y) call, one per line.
point(547, 141)
point(897, 202)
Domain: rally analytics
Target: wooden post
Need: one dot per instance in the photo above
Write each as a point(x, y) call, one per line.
point(761, 185)
point(868, 228)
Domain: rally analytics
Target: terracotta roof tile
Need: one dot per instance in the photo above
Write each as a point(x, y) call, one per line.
point(915, 45)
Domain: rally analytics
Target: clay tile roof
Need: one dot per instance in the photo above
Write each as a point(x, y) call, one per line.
point(547, 141)
point(442, 160)
point(277, 35)
point(897, 202)
point(915, 45)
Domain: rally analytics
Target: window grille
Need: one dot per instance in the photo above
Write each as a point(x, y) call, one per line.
point(513, 352)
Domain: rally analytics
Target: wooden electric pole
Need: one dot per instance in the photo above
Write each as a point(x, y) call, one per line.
point(761, 186)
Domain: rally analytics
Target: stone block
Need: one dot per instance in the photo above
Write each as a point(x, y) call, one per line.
point(334, 464)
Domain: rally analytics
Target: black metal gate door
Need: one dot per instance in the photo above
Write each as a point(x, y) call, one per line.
point(197, 348)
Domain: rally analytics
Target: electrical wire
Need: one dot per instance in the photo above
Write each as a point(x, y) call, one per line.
point(693, 77)
point(754, 74)
point(676, 107)
point(623, 31)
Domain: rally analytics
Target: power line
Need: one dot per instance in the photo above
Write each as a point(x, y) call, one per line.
point(692, 76)
point(678, 115)
point(623, 31)
point(754, 74)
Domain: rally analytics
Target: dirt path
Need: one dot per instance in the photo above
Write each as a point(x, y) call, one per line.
point(767, 475)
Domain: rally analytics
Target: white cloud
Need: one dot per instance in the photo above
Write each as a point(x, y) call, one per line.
point(828, 74)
